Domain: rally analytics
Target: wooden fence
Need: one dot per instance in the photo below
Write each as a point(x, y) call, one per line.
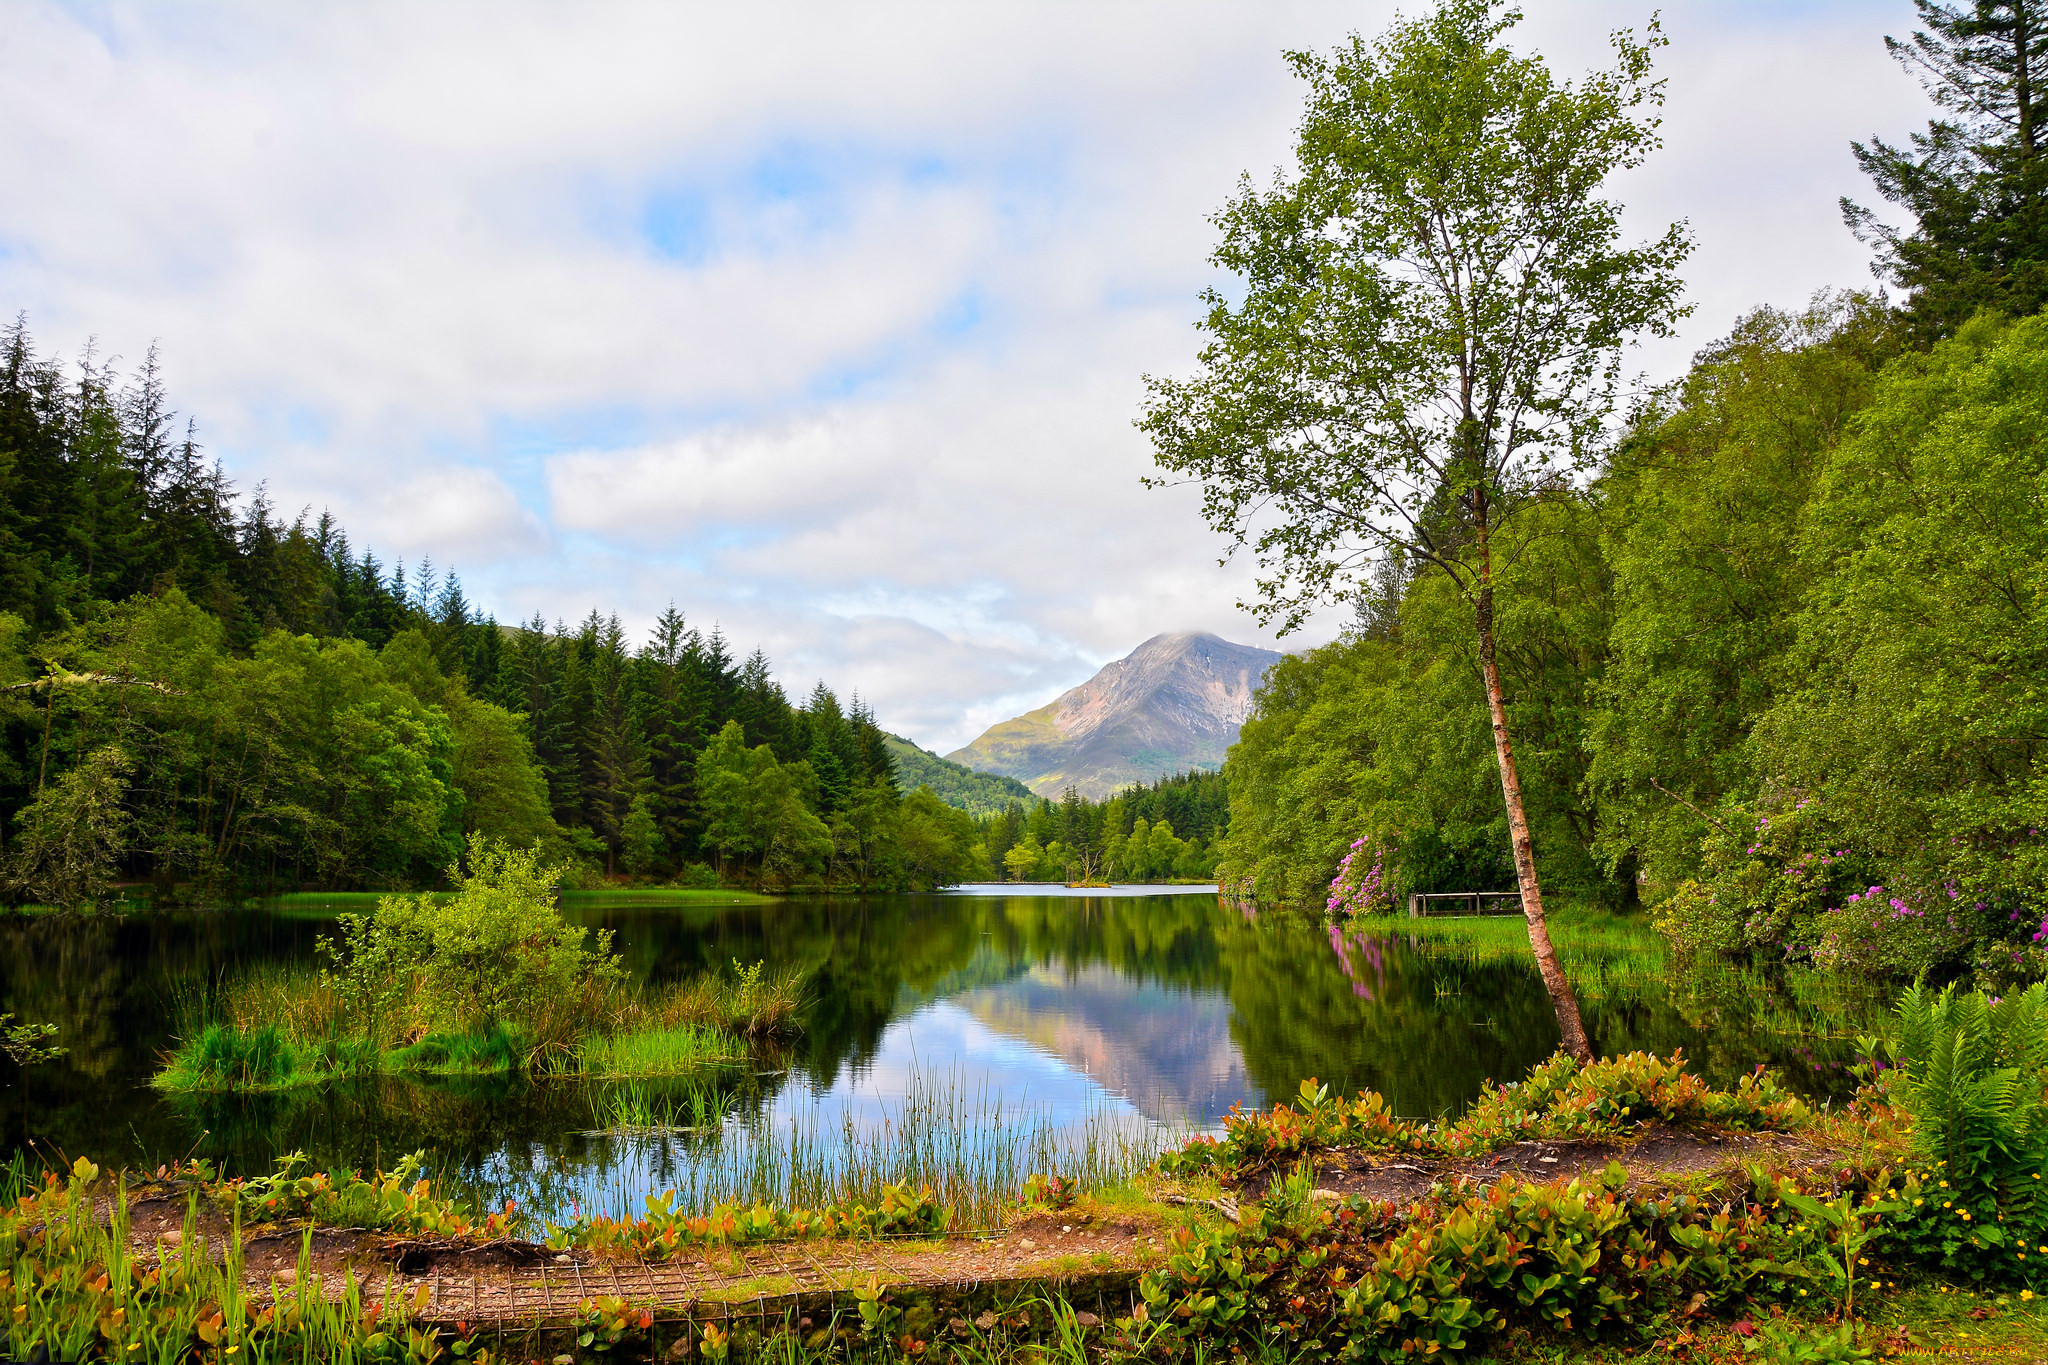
point(1464, 903)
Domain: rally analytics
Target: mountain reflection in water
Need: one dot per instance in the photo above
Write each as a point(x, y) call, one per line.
point(1167, 1051)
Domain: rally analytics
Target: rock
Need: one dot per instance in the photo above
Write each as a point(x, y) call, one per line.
point(986, 1321)
point(172, 1238)
point(1087, 1320)
point(286, 1276)
point(1028, 1245)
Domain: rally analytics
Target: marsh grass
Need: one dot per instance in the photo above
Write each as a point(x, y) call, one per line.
point(637, 1108)
point(971, 1149)
point(487, 1051)
point(752, 1003)
point(673, 1050)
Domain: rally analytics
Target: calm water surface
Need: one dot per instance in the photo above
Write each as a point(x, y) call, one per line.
point(1135, 1009)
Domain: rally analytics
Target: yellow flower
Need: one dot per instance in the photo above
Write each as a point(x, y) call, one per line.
point(1966, 1215)
point(1862, 1260)
point(1917, 1203)
point(2026, 1296)
point(1944, 1184)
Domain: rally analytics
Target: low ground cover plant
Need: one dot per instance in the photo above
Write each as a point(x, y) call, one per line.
point(1561, 1099)
point(662, 1230)
point(402, 1200)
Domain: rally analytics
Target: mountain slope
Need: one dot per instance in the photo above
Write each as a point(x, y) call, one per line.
point(1172, 704)
point(974, 792)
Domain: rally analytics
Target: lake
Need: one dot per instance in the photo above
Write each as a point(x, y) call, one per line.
point(1135, 1012)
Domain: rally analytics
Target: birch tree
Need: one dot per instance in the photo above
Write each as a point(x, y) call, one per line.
point(1434, 306)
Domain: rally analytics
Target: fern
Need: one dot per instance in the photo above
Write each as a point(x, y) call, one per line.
point(1974, 1075)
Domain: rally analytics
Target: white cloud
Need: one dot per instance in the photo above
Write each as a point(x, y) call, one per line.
point(824, 321)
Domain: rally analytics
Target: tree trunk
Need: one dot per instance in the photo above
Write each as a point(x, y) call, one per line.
point(1562, 1000)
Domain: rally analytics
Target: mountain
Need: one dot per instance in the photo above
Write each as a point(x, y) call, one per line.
point(1172, 704)
point(976, 793)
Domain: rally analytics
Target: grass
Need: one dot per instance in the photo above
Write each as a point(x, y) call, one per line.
point(489, 1051)
point(674, 1050)
point(1603, 952)
point(666, 895)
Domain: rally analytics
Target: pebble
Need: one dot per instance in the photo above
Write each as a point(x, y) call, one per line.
point(171, 1238)
point(1028, 1244)
point(287, 1276)
point(1087, 1320)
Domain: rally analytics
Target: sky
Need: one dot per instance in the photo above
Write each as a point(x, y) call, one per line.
point(825, 322)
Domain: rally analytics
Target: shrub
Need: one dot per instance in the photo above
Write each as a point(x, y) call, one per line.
point(1767, 880)
point(496, 952)
point(1360, 886)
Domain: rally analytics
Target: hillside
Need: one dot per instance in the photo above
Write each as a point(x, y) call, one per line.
point(1172, 705)
point(973, 792)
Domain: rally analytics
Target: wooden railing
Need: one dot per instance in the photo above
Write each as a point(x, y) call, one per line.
point(1464, 903)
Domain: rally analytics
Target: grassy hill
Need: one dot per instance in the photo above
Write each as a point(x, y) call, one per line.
point(976, 793)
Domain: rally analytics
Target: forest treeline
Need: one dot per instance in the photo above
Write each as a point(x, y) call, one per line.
point(206, 696)
point(1161, 833)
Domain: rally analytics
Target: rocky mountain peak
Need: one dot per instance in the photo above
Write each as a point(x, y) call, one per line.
point(1172, 704)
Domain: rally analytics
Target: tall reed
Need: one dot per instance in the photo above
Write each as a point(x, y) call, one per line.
point(974, 1152)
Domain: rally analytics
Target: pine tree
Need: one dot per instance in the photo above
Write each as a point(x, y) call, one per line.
point(1974, 182)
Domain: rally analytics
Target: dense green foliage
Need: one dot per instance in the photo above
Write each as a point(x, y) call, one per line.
point(1164, 832)
point(1778, 665)
point(208, 698)
point(977, 793)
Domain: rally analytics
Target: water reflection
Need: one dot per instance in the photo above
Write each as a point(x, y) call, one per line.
point(1139, 1010)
